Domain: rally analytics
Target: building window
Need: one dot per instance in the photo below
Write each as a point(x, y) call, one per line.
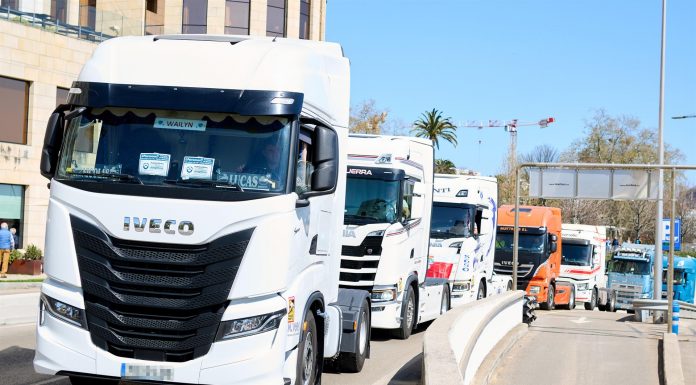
point(11, 4)
point(237, 17)
point(12, 207)
point(195, 16)
point(61, 96)
point(304, 18)
point(88, 13)
point(275, 18)
point(59, 10)
point(14, 95)
point(154, 17)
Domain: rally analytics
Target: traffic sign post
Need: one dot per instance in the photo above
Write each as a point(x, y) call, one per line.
point(666, 233)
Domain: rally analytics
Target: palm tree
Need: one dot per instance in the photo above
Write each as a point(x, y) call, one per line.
point(444, 166)
point(433, 126)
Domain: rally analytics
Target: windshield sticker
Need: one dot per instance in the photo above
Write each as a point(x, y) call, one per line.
point(247, 181)
point(180, 124)
point(154, 164)
point(197, 167)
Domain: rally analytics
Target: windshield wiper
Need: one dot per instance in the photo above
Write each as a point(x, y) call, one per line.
point(118, 176)
point(445, 235)
point(204, 183)
point(361, 217)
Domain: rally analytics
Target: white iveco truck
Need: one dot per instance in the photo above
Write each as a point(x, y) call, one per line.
point(197, 188)
point(385, 238)
point(462, 236)
point(583, 263)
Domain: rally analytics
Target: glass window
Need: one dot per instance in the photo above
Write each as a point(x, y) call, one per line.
point(305, 6)
point(154, 17)
point(451, 221)
point(533, 243)
point(195, 18)
point(12, 208)
point(237, 17)
point(88, 13)
point(576, 255)
point(61, 96)
point(304, 170)
point(14, 95)
point(275, 18)
point(407, 200)
point(12, 4)
point(679, 277)
point(629, 267)
point(59, 10)
point(371, 201)
point(171, 149)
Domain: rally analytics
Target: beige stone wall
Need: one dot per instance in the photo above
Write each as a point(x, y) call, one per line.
point(257, 18)
point(292, 22)
point(47, 61)
point(173, 14)
point(216, 17)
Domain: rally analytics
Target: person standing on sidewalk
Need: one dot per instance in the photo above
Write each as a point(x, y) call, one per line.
point(6, 246)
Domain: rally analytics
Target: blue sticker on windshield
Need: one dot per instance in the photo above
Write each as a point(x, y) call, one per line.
point(180, 124)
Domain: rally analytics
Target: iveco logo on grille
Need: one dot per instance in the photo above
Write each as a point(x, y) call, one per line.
point(155, 225)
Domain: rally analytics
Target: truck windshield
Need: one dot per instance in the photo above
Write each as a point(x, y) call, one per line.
point(371, 201)
point(576, 255)
point(629, 267)
point(452, 220)
point(678, 276)
point(532, 243)
point(175, 148)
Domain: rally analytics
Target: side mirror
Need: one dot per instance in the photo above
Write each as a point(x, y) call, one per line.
point(325, 162)
point(554, 247)
point(53, 139)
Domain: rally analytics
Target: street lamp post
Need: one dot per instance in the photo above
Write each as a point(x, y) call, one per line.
point(657, 266)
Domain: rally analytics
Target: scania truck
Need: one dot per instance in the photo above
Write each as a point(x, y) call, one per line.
point(196, 192)
point(539, 254)
point(462, 236)
point(389, 198)
point(630, 274)
point(583, 262)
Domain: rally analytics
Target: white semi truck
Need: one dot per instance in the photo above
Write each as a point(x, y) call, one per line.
point(193, 234)
point(389, 197)
point(583, 263)
point(462, 236)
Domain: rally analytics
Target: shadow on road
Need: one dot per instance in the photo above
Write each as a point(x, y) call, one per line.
point(16, 367)
point(410, 373)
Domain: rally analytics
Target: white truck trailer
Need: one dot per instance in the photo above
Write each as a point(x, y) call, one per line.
point(462, 236)
point(584, 262)
point(193, 234)
point(389, 197)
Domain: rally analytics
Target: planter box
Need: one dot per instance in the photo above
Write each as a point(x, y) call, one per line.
point(22, 266)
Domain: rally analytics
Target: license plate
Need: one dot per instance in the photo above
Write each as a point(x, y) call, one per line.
point(147, 372)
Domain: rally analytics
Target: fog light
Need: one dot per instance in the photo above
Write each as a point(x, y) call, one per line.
point(535, 290)
point(249, 326)
point(64, 312)
point(461, 286)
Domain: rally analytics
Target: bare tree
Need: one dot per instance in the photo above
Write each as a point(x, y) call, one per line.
point(366, 118)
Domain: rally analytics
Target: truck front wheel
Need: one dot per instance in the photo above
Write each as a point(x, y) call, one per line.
point(593, 301)
point(353, 362)
point(481, 294)
point(550, 303)
point(408, 315)
point(307, 350)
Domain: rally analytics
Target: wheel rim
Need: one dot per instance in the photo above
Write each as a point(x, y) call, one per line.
point(409, 313)
point(307, 356)
point(594, 298)
point(363, 336)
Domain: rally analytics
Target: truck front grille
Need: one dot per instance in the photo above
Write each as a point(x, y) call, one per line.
point(523, 270)
point(625, 294)
point(359, 263)
point(155, 301)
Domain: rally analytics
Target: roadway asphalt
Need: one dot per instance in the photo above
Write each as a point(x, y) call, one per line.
point(582, 347)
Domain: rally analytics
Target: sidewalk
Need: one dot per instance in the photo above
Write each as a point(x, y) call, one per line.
point(19, 301)
point(15, 282)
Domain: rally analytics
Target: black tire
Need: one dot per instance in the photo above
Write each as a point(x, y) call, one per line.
point(408, 315)
point(601, 307)
point(571, 302)
point(91, 381)
point(509, 286)
point(550, 303)
point(353, 362)
point(307, 353)
point(611, 307)
point(445, 301)
point(481, 293)
point(593, 301)
point(630, 311)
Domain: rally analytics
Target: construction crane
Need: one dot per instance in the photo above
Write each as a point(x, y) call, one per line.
point(510, 126)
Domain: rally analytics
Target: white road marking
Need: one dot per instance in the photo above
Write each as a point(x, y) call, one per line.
point(581, 320)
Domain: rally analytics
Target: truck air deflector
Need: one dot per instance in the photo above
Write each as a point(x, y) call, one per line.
point(155, 301)
point(241, 102)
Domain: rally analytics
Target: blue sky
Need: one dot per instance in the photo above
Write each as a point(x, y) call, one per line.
point(524, 59)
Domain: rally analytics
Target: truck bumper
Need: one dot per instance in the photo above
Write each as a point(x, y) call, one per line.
point(459, 298)
point(386, 315)
point(257, 359)
point(583, 295)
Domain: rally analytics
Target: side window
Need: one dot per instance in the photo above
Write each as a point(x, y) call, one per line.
point(477, 222)
point(304, 170)
point(407, 203)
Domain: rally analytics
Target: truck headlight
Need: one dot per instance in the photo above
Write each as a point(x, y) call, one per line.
point(535, 289)
point(583, 286)
point(461, 286)
point(383, 295)
point(249, 326)
point(61, 310)
point(377, 233)
point(456, 245)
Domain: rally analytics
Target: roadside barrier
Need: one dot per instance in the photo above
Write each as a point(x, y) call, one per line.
point(457, 343)
point(675, 317)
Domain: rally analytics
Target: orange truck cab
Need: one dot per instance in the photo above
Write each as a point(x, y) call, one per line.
point(539, 254)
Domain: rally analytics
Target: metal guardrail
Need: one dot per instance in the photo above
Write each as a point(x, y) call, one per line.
point(660, 305)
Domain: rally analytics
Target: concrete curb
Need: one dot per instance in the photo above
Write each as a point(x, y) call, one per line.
point(484, 372)
point(671, 360)
point(5, 287)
